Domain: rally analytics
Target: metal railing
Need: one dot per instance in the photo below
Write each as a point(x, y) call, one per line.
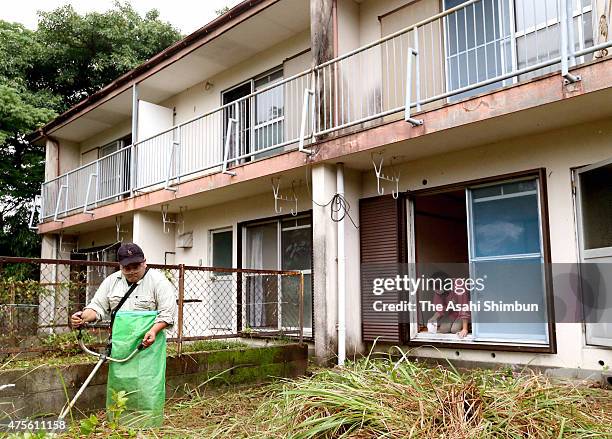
point(263, 123)
point(477, 46)
point(104, 180)
point(37, 297)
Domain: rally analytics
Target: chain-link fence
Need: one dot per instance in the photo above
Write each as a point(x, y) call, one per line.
point(38, 296)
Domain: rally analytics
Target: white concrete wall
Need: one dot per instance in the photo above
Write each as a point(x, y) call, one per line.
point(89, 147)
point(557, 151)
point(69, 157)
point(148, 233)
point(104, 237)
point(348, 26)
point(352, 193)
point(225, 215)
point(51, 159)
point(370, 10)
point(197, 100)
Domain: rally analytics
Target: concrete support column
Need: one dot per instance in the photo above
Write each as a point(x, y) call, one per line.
point(323, 43)
point(325, 265)
point(149, 234)
point(325, 281)
point(51, 159)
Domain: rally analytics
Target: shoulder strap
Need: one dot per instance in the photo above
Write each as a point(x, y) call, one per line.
point(123, 299)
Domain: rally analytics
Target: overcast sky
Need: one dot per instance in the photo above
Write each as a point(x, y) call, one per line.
point(186, 15)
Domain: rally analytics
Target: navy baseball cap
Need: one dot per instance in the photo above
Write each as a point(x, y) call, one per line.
point(130, 253)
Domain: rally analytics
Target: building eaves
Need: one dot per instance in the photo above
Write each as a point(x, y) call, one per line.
point(132, 75)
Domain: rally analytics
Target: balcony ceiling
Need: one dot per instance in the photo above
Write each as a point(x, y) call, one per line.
point(270, 27)
point(266, 29)
point(102, 117)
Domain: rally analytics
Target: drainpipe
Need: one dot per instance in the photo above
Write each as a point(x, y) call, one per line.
point(341, 271)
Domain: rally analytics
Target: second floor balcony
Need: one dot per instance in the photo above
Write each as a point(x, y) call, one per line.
point(438, 58)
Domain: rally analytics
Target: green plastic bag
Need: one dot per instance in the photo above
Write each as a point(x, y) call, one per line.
point(143, 377)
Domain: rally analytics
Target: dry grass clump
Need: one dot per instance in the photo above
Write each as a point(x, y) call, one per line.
point(394, 399)
point(383, 398)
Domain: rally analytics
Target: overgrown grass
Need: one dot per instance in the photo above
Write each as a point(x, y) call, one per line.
point(209, 345)
point(383, 398)
point(20, 361)
point(70, 353)
point(392, 399)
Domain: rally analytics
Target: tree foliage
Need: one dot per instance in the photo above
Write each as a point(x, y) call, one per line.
point(84, 53)
point(45, 72)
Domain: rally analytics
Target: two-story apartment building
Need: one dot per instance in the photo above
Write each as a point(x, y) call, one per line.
point(358, 139)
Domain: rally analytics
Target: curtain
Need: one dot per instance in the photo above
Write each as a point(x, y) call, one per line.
point(255, 290)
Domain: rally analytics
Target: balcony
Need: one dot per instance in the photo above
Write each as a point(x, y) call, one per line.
point(470, 48)
point(247, 129)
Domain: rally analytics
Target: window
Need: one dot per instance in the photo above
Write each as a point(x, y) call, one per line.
point(88, 278)
point(260, 119)
point(490, 234)
point(594, 214)
point(279, 245)
point(221, 248)
point(477, 38)
point(491, 37)
point(240, 140)
point(538, 34)
point(269, 111)
point(506, 250)
point(114, 169)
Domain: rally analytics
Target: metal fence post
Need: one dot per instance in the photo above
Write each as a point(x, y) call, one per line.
point(12, 306)
point(181, 298)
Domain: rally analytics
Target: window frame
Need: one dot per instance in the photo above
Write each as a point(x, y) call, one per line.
point(211, 250)
point(589, 340)
point(309, 333)
point(252, 127)
point(270, 72)
point(117, 181)
point(451, 341)
point(514, 34)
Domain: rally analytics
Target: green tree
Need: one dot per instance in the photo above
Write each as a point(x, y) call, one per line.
point(45, 72)
point(21, 111)
point(83, 53)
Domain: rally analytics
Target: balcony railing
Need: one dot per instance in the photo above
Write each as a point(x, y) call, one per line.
point(472, 48)
point(478, 46)
point(250, 128)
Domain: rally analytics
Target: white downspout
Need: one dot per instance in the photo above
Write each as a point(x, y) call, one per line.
point(341, 270)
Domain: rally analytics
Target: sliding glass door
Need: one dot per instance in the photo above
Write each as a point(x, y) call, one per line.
point(506, 251)
point(273, 301)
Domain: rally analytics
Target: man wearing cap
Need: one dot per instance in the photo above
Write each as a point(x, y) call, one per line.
point(153, 292)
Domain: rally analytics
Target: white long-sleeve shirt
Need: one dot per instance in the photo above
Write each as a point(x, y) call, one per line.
point(153, 292)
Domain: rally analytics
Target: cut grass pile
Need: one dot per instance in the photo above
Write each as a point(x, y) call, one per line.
point(388, 398)
point(383, 398)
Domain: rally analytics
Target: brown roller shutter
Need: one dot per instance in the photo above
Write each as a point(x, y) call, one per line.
point(382, 241)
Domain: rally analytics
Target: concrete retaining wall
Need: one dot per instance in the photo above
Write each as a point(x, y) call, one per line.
point(41, 391)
